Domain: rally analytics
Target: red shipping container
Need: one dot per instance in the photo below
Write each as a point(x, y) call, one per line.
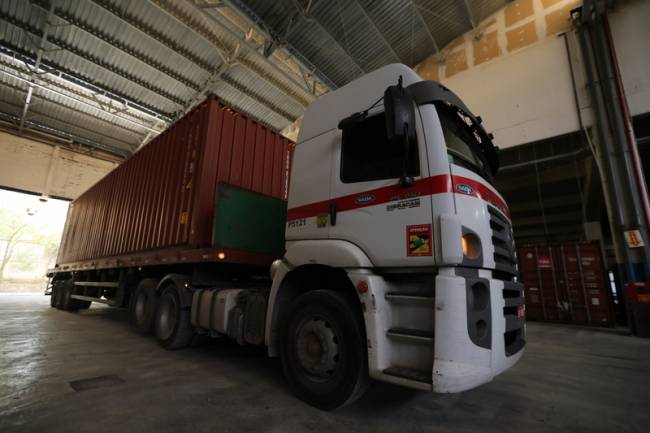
point(158, 206)
point(566, 283)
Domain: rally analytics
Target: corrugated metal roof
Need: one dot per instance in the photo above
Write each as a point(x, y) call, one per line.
point(116, 72)
point(346, 38)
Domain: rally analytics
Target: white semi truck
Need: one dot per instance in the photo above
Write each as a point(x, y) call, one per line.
point(399, 262)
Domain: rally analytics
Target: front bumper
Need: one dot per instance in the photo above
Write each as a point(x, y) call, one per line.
point(477, 332)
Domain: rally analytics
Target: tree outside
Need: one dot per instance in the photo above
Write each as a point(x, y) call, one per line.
point(30, 231)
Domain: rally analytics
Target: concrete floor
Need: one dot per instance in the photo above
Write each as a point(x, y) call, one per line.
point(570, 380)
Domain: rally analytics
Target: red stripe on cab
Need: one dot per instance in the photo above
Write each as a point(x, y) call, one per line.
point(439, 184)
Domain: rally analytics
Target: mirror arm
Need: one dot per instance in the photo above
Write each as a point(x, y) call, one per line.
point(406, 181)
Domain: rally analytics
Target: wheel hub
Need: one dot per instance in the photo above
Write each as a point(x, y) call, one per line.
point(317, 348)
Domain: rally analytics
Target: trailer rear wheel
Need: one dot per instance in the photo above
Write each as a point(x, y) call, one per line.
point(323, 350)
point(57, 295)
point(53, 294)
point(66, 302)
point(142, 307)
point(173, 327)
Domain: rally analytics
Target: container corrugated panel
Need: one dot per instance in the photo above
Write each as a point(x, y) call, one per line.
point(163, 198)
point(565, 283)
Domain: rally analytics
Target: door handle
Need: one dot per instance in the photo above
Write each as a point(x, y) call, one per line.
point(333, 212)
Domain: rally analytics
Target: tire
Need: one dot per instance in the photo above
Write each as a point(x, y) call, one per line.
point(142, 306)
point(58, 295)
point(323, 350)
point(67, 303)
point(173, 327)
point(53, 294)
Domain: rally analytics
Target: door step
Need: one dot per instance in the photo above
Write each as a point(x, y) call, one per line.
point(409, 297)
point(413, 335)
point(409, 374)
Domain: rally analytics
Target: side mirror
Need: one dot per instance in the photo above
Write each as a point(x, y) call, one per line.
point(400, 124)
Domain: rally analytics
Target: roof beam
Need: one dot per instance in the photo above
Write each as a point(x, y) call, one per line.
point(65, 74)
point(213, 79)
point(33, 84)
point(37, 65)
point(381, 34)
point(172, 45)
point(434, 43)
point(246, 44)
point(231, 57)
point(217, 76)
point(477, 34)
point(80, 126)
point(102, 63)
point(260, 99)
point(324, 29)
point(117, 44)
point(153, 33)
point(261, 27)
point(470, 14)
point(304, 15)
point(66, 135)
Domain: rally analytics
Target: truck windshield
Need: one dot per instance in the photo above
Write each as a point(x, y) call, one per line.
point(463, 146)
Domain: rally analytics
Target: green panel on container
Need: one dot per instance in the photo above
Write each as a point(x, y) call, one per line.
point(248, 221)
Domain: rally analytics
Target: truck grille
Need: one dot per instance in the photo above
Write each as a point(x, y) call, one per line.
point(505, 257)
point(514, 337)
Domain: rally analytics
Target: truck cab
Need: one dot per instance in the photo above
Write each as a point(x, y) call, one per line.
point(408, 230)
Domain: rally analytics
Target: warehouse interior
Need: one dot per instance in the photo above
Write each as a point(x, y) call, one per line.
point(561, 86)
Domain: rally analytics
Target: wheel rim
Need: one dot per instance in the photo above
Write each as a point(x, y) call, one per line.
point(167, 316)
point(140, 305)
point(317, 348)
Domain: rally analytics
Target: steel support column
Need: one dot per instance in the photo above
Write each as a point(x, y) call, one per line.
point(616, 147)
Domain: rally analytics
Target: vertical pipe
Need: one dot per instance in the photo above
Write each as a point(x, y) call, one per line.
point(612, 187)
point(54, 159)
point(541, 285)
point(623, 159)
point(558, 306)
point(631, 141)
point(582, 283)
point(566, 283)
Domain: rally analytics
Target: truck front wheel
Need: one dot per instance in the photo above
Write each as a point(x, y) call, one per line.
point(323, 350)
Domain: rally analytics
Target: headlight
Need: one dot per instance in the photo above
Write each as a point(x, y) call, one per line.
point(471, 246)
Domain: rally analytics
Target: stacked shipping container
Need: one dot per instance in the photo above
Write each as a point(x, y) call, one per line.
point(161, 202)
point(566, 283)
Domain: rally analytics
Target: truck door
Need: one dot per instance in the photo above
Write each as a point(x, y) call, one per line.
point(392, 224)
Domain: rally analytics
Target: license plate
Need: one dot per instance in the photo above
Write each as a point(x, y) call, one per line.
point(521, 311)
